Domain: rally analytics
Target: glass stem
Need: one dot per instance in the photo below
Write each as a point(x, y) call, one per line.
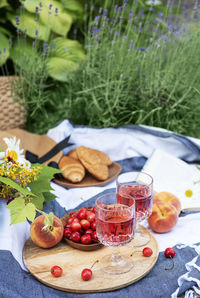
point(137, 229)
point(116, 257)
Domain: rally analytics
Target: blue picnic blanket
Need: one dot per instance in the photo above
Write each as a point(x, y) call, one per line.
point(159, 283)
point(185, 276)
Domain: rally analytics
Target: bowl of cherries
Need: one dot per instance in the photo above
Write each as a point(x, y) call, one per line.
point(80, 229)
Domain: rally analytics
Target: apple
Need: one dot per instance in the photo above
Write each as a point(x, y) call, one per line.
point(168, 197)
point(163, 218)
point(46, 230)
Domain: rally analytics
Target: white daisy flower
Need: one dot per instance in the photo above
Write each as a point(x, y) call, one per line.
point(14, 153)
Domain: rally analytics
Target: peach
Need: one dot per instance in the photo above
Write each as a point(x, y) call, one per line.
point(168, 197)
point(163, 218)
point(46, 236)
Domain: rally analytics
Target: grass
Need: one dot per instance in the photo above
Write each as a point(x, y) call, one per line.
point(133, 74)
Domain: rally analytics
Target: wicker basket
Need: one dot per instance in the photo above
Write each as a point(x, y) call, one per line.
point(12, 114)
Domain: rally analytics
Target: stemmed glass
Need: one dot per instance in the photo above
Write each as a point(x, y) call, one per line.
point(115, 224)
point(139, 186)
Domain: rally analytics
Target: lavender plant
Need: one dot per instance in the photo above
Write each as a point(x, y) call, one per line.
point(139, 73)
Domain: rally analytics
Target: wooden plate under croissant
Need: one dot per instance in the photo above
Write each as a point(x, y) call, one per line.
point(86, 167)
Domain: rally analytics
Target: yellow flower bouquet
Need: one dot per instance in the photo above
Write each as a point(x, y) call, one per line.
point(23, 185)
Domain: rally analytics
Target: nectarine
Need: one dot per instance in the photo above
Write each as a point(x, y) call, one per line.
point(163, 218)
point(168, 197)
point(44, 235)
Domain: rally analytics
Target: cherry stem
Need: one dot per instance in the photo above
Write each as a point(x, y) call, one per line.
point(134, 252)
point(170, 268)
point(94, 264)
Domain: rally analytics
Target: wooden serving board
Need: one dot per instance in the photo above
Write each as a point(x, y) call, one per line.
point(39, 262)
point(89, 180)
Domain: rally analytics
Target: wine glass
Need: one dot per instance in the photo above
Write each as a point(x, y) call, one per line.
point(139, 186)
point(115, 224)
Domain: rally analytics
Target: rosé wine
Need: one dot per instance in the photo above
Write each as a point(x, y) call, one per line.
point(114, 225)
point(142, 195)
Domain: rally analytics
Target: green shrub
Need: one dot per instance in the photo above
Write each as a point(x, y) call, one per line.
point(134, 73)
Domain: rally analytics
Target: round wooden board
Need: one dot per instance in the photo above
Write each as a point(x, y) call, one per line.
point(89, 180)
point(39, 262)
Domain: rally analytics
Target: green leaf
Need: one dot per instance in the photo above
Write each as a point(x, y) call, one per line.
point(4, 48)
point(27, 57)
point(59, 23)
point(68, 49)
point(30, 4)
point(74, 8)
point(27, 22)
point(73, 5)
point(16, 186)
point(65, 58)
point(48, 220)
point(5, 31)
point(43, 182)
point(59, 68)
point(38, 201)
point(19, 211)
point(48, 197)
point(3, 3)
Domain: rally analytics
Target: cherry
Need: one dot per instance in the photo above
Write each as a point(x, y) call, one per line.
point(94, 236)
point(89, 231)
point(67, 226)
point(86, 239)
point(76, 226)
point(69, 220)
point(82, 213)
point(56, 271)
point(76, 236)
point(73, 214)
point(91, 208)
point(170, 253)
point(85, 224)
point(86, 274)
point(93, 225)
point(75, 219)
point(88, 213)
point(67, 233)
point(147, 252)
point(91, 217)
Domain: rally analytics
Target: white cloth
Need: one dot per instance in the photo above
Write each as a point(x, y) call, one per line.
point(119, 144)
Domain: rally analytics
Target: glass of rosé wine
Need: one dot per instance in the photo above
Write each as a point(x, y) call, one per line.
point(137, 185)
point(115, 225)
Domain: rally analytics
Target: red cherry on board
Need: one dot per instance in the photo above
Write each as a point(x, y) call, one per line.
point(56, 271)
point(86, 274)
point(147, 252)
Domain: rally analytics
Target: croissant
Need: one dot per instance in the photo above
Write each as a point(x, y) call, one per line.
point(72, 169)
